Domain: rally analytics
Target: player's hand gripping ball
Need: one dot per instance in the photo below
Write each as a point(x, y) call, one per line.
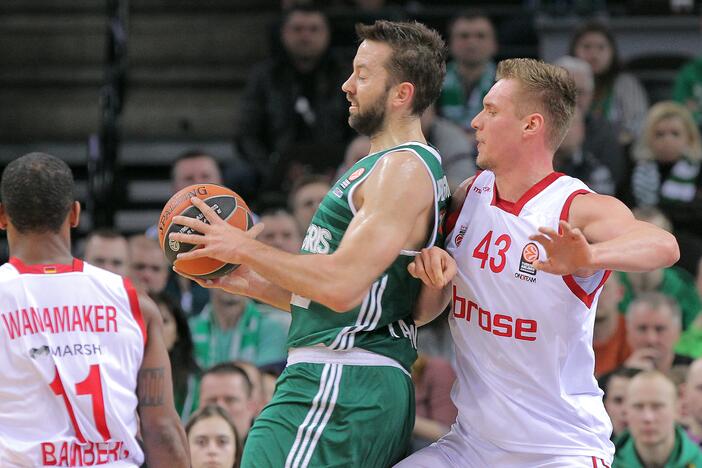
point(226, 203)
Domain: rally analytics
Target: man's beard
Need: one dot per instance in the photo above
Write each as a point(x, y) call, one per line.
point(370, 122)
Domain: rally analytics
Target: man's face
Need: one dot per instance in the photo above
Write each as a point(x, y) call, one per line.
point(197, 170)
point(281, 231)
point(305, 35)
point(654, 329)
point(112, 254)
point(306, 202)
point(498, 129)
point(615, 402)
point(367, 88)
point(693, 392)
point(229, 391)
point(650, 409)
point(149, 268)
point(227, 304)
point(472, 42)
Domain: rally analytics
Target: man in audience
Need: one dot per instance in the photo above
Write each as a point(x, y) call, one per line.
point(280, 230)
point(654, 439)
point(256, 379)
point(614, 385)
point(148, 267)
point(693, 401)
point(228, 386)
point(107, 249)
point(653, 325)
point(305, 197)
point(609, 338)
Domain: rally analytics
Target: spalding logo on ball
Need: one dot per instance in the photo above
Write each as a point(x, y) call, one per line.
point(225, 202)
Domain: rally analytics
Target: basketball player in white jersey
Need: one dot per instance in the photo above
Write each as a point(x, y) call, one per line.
point(532, 249)
point(82, 363)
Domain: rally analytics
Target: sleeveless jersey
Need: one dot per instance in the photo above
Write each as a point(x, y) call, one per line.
point(525, 363)
point(71, 343)
point(382, 323)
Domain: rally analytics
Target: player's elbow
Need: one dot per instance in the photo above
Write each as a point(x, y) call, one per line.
point(341, 298)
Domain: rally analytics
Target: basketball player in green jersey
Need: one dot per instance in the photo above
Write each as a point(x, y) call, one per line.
point(346, 397)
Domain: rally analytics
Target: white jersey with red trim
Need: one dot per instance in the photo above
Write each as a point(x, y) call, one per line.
point(71, 343)
point(525, 363)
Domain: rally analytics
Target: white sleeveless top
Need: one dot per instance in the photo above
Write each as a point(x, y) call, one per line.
point(525, 363)
point(71, 343)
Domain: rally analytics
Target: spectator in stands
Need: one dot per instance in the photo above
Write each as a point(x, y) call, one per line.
point(148, 267)
point(213, 439)
point(268, 380)
point(614, 385)
point(356, 150)
point(433, 379)
point(452, 143)
point(693, 401)
point(228, 386)
point(305, 197)
point(687, 89)
point(653, 326)
point(673, 281)
point(668, 171)
point(179, 343)
point(107, 249)
point(293, 115)
point(653, 438)
point(619, 97)
point(471, 72)
point(256, 378)
point(609, 338)
point(600, 138)
point(280, 230)
point(571, 158)
point(231, 327)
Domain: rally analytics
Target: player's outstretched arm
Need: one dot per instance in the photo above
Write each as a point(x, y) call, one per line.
point(435, 268)
point(602, 233)
point(165, 443)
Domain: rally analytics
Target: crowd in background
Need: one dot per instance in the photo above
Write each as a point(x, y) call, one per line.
point(293, 141)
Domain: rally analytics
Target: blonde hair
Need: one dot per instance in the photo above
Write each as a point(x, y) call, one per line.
point(662, 111)
point(547, 89)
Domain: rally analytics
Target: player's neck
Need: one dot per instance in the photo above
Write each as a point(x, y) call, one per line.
point(658, 454)
point(41, 249)
point(397, 132)
point(512, 182)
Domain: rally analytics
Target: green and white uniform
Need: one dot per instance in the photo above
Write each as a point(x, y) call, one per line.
point(346, 397)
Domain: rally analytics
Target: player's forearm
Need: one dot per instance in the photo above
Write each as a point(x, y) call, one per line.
point(431, 303)
point(166, 445)
point(642, 249)
point(264, 290)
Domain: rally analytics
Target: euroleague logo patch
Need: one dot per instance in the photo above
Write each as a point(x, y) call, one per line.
point(530, 254)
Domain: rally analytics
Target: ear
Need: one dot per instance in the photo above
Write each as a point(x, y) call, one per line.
point(3, 217)
point(74, 214)
point(533, 124)
point(404, 94)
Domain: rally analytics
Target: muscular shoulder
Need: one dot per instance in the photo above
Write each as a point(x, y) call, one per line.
point(400, 175)
point(591, 207)
point(459, 195)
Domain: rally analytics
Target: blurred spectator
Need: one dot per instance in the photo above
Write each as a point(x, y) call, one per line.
point(107, 249)
point(619, 97)
point(433, 379)
point(653, 325)
point(194, 167)
point(231, 327)
point(614, 385)
point(674, 282)
point(653, 438)
point(572, 159)
point(693, 401)
point(471, 72)
point(179, 343)
point(356, 150)
point(305, 197)
point(280, 230)
point(434, 338)
point(148, 267)
point(214, 442)
point(667, 173)
point(256, 378)
point(687, 89)
point(268, 380)
point(228, 386)
point(454, 146)
point(293, 115)
point(600, 138)
point(609, 338)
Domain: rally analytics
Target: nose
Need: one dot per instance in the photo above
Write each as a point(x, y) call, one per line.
point(347, 86)
point(475, 123)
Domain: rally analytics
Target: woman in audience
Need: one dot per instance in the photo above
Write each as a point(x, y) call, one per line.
point(179, 343)
point(618, 97)
point(213, 440)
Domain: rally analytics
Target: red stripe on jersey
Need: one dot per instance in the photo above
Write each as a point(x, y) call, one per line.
point(452, 217)
point(516, 207)
point(45, 269)
point(134, 305)
point(604, 464)
point(569, 279)
point(594, 462)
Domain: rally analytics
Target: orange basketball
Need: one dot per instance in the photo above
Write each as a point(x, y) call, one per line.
point(226, 203)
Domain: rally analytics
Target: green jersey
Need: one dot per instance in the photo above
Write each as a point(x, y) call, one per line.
point(383, 322)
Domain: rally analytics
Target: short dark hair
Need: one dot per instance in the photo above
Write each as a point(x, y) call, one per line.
point(470, 15)
point(37, 192)
point(304, 181)
point(418, 56)
point(305, 9)
point(192, 154)
point(623, 372)
point(215, 411)
point(225, 368)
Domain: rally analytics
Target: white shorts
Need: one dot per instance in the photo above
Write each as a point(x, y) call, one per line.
point(456, 450)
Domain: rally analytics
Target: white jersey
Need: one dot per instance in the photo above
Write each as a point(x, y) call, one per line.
point(525, 363)
point(71, 343)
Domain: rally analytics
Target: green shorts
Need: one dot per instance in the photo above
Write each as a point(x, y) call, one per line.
point(325, 415)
